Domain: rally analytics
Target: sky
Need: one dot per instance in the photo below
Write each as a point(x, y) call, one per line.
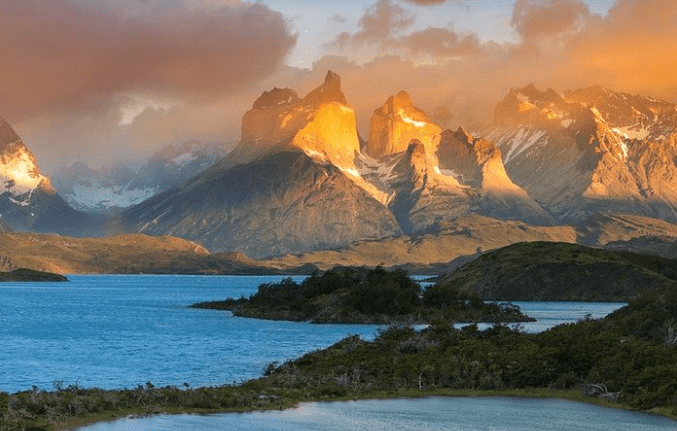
point(100, 81)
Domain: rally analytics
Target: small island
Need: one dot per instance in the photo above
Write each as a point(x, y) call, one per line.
point(350, 295)
point(31, 275)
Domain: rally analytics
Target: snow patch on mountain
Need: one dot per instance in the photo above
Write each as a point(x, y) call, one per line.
point(515, 142)
point(111, 188)
point(98, 197)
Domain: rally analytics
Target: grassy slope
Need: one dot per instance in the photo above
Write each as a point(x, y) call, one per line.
point(125, 254)
point(561, 271)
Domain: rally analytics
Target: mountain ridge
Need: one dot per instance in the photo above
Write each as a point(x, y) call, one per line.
point(410, 177)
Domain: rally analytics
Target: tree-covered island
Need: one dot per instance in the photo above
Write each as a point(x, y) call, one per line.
point(349, 295)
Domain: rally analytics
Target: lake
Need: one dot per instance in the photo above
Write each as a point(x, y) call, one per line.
point(118, 331)
point(426, 414)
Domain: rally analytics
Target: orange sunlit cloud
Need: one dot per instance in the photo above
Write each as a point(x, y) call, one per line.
point(67, 55)
point(72, 70)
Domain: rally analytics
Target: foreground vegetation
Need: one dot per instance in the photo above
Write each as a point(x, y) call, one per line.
point(628, 359)
point(348, 295)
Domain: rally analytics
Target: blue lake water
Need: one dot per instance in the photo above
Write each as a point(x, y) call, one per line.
point(118, 331)
point(427, 414)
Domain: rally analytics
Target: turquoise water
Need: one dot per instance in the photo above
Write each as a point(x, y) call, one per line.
point(453, 414)
point(118, 331)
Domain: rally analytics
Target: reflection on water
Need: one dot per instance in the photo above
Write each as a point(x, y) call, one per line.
point(439, 413)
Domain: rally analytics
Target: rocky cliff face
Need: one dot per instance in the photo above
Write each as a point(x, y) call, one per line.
point(396, 124)
point(590, 151)
point(322, 124)
point(19, 170)
point(27, 199)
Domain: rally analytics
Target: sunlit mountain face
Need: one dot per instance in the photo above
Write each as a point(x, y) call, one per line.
point(19, 170)
point(595, 165)
point(590, 151)
point(300, 181)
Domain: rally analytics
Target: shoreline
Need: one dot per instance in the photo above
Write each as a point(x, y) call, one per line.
point(573, 395)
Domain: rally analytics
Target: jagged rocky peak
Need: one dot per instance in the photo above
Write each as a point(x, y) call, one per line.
point(603, 151)
point(19, 172)
point(329, 91)
point(633, 113)
point(322, 124)
point(276, 98)
point(456, 153)
point(528, 105)
point(476, 161)
point(396, 123)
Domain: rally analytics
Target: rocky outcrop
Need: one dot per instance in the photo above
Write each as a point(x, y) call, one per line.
point(423, 198)
point(478, 164)
point(27, 199)
point(395, 124)
point(322, 124)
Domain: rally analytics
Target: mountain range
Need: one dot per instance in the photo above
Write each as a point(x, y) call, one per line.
point(591, 166)
point(111, 188)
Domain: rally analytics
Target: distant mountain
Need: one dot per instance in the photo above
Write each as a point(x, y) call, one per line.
point(301, 180)
point(590, 151)
point(28, 201)
point(112, 188)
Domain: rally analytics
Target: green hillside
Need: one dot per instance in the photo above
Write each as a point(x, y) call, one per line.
point(561, 272)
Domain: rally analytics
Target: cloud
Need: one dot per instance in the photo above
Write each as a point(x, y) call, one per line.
point(536, 18)
point(561, 44)
point(376, 27)
point(385, 25)
point(631, 49)
point(428, 2)
point(64, 55)
point(439, 42)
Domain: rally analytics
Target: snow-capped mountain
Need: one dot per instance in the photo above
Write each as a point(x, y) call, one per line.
point(432, 177)
point(590, 151)
point(27, 199)
point(112, 188)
